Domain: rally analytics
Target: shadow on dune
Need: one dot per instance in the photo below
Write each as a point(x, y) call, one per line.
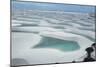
point(18, 61)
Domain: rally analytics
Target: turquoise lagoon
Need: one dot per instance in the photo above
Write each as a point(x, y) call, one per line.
point(54, 43)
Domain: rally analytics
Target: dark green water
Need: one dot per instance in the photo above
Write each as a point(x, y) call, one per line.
point(62, 45)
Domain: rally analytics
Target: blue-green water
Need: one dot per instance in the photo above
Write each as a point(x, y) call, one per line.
point(53, 7)
point(62, 45)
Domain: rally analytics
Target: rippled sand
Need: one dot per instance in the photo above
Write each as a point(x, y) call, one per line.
point(35, 35)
